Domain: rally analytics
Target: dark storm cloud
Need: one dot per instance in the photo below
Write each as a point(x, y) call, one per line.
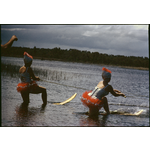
point(112, 39)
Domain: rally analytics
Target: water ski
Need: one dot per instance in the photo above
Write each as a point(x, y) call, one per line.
point(113, 112)
point(127, 114)
point(66, 101)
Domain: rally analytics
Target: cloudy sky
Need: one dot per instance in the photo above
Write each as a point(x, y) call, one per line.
point(128, 40)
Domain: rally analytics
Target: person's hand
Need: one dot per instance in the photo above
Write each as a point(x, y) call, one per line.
point(123, 95)
point(14, 38)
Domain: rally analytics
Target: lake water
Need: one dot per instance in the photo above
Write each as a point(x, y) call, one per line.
point(79, 78)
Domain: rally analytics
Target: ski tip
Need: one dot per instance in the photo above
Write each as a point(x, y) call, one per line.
point(66, 101)
point(139, 112)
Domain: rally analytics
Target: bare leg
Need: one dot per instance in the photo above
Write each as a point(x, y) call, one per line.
point(9, 43)
point(44, 96)
point(93, 111)
point(25, 97)
point(39, 89)
point(106, 107)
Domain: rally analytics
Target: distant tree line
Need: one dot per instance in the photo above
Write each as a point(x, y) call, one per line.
point(74, 55)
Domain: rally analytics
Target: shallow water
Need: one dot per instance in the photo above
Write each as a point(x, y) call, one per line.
point(79, 77)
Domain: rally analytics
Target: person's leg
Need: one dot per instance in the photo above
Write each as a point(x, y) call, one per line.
point(44, 96)
point(25, 97)
point(93, 111)
point(9, 43)
point(39, 89)
point(106, 107)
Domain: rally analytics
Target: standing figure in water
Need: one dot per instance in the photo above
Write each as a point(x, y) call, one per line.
point(96, 99)
point(9, 43)
point(28, 84)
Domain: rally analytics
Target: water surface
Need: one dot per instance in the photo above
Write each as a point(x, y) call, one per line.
point(79, 77)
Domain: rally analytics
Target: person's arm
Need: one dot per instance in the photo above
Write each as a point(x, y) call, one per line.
point(9, 43)
point(115, 92)
point(32, 74)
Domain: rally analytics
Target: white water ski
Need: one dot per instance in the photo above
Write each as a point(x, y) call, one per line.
point(127, 114)
point(66, 101)
point(115, 112)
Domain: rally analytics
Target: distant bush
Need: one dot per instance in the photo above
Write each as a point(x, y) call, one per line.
point(74, 55)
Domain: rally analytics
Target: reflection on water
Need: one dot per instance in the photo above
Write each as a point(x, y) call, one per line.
point(101, 122)
point(93, 121)
point(25, 115)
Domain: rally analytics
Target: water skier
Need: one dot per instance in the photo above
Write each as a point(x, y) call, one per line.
point(28, 84)
point(96, 99)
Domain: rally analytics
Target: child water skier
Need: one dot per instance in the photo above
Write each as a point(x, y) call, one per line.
point(96, 99)
point(28, 84)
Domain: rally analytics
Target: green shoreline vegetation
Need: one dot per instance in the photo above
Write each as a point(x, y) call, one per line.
point(74, 55)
